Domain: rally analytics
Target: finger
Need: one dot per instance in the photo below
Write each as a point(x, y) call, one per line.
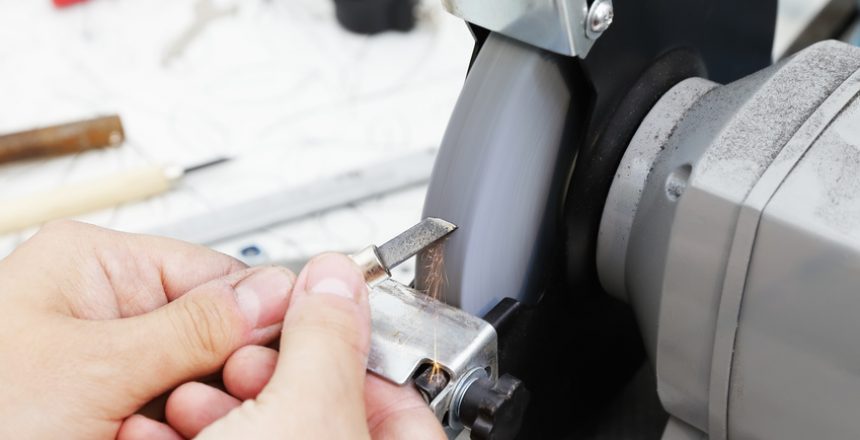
point(323, 353)
point(183, 266)
point(194, 335)
point(142, 272)
point(393, 412)
point(248, 371)
point(194, 406)
point(396, 412)
point(138, 427)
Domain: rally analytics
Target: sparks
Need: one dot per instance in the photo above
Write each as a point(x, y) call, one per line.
point(435, 282)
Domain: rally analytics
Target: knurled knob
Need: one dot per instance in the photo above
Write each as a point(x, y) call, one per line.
point(494, 410)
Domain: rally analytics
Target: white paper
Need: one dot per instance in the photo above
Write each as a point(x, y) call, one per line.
point(279, 86)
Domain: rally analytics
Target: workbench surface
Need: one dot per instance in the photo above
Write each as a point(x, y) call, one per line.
point(279, 86)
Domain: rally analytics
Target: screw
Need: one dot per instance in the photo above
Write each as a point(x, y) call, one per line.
point(254, 255)
point(251, 251)
point(600, 17)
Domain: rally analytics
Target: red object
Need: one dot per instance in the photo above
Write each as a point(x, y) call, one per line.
point(65, 3)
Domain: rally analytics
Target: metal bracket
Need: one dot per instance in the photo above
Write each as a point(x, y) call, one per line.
point(411, 330)
point(566, 27)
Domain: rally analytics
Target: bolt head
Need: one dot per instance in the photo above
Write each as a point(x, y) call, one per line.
point(599, 18)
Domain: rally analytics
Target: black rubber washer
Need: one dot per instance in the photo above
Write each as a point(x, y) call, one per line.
point(598, 161)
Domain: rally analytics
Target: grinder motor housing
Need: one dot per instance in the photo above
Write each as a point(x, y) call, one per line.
point(702, 233)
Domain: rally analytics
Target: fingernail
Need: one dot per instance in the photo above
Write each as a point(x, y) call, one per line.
point(333, 286)
point(335, 275)
point(263, 296)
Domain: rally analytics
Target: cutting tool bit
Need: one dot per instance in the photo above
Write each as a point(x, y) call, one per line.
point(377, 262)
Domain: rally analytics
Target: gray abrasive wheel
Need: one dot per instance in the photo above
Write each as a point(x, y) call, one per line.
point(498, 177)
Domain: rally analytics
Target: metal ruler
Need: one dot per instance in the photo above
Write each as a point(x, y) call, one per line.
point(292, 203)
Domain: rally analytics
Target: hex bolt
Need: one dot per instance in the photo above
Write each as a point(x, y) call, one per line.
point(431, 381)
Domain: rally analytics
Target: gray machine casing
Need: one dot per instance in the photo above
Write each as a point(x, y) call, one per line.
point(733, 229)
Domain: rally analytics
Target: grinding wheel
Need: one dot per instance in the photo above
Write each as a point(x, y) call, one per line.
point(500, 171)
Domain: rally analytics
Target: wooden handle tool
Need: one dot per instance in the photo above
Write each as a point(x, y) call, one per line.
point(105, 192)
point(57, 140)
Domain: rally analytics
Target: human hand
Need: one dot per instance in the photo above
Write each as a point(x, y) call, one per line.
point(96, 323)
point(316, 387)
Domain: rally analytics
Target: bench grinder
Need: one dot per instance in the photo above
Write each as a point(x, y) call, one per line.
point(662, 255)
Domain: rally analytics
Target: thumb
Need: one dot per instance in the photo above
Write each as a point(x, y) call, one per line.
point(195, 334)
point(323, 356)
